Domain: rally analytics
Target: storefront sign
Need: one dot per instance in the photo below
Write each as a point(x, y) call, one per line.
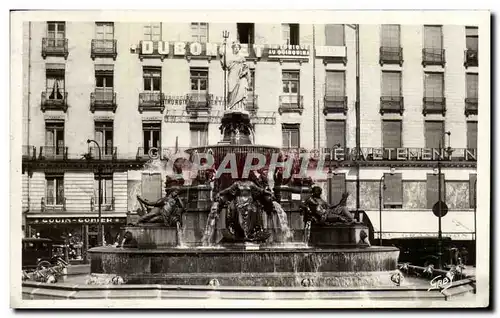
point(75, 220)
point(331, 51)
point(288, 51)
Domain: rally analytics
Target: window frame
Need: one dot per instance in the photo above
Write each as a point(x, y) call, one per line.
point(290, 33)
point(150, 74)
point(198, 129)
point(55, 128)
point(467, 77)
point(105, 179)
point(197, 32)
point(443, 89)
point(106, 128)
point(472, 37)
point(343, 34)
point(58, 183)
point(387, 179)
point(151, 36)
point(344, 124)
point(250, 35)
point(400, 77)
point(440, 33)
point(443, 125)
point(150, 128)
point(54, 34)
point(390, 39)
point(289, 129)
point(334, 94)
point(196, 74)
point(105, 34)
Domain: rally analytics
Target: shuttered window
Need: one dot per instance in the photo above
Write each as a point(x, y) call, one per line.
point(432, 189)
point(390, 35)
point(334, 35)
point(336, 186)
point(335, 133)
point(393, 193)
point(391, 83)
point(290, 33)
point(433, 37)
point(291, 135)
point(151, 186)
point(434, 134)
point(472, 135)
point(471, 38)
point(472, 190)
point(471, 82)
point(391, 135)
point(335, 83)
point(434, 85)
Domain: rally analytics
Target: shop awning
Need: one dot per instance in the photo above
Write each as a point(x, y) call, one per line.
point(458, 225)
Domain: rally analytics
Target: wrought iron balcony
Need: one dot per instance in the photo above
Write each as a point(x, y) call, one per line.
point(51, 204)
point(291, 104)
point(143, 153)
point(471, 58)
point(335, 104)
point(433, 57)
point(434, 105)
point(252, 104)
point(29, 152)
point(51, 101)
point(198, 102)
point(391, 55)
point(151, 101)
point(101, 100)
point(54, 47)
point(471, 106)
point(53, 153)
point(107, 204)
point(103, 48)
point(107, 153)
point(391, 104)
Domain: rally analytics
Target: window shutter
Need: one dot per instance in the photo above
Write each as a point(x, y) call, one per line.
point(472, 190)
point(472, 85)
point(335, 133)
point(390, 35)
point(151, 186)
point(335, 83)
point(391, 83)
point(334, 34)
point(337, 188)
point(434, 131)
point(432, 37)
point(392, 136)
point(433, 85)
point(432, 189)
point(472, 135)
point(393, 194)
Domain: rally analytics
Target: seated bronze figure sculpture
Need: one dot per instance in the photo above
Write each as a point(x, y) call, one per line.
point(317, 211)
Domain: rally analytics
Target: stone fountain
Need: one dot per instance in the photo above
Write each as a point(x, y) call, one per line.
point(247, 240)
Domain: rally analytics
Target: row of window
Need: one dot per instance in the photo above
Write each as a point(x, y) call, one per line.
point(335, 85)
point(390, 34)
point(392, 130)
point(151, 189)
point(335, 135)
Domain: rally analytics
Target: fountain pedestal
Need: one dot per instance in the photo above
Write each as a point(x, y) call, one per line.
point(153, 235)
point(339, 235)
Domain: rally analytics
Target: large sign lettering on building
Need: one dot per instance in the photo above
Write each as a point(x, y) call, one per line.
point(75, 220)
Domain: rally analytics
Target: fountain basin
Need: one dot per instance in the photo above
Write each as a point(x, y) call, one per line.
point(237, 266)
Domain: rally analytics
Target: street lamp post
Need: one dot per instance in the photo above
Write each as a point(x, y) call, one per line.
point(440, 232)
point(225, 35)
point(99, 199)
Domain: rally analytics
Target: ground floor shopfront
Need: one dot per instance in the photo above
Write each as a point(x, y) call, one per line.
point(76, 233)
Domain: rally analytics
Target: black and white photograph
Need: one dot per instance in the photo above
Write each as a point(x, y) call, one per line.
point(232, 159)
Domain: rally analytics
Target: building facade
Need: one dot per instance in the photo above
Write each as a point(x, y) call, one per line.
point(131, 87)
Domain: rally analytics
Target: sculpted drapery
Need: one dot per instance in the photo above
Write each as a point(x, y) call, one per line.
point(238, 78)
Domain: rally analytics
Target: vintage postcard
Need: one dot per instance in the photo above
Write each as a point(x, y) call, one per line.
point(250, 159)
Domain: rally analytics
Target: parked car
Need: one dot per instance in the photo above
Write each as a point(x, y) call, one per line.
point(36, 253)
point(422, 251)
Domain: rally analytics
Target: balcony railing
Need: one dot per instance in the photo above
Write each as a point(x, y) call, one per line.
point(29, 152)
point(107, 204)
point(471, 58)
point(143, 152)
point(252, 104)
point(391, 55)
point(53, 153)
point(51, 101)
point(471, 106)
point(51, 204)
point(433, 57)
point(434, 105)
point(391, 104)
point(54, 47)
point(291, 104)
point(103, 101)
point(107, 153)
point(196, 102)
point(151, 101)
point(335, 104)
point(103, 48)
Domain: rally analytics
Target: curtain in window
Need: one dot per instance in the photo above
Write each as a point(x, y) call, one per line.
point(334, 35)
point(335, 83)
point(55, 87)
point(472, 85)
point(50, 191)
point(106, 187)
point(432, 37)
point(60, 191)
point(335, 133)
point(391, 84)
point(390, 35)
point(433, 85)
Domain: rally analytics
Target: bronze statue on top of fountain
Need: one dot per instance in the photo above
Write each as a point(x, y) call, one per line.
point(317, 211)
